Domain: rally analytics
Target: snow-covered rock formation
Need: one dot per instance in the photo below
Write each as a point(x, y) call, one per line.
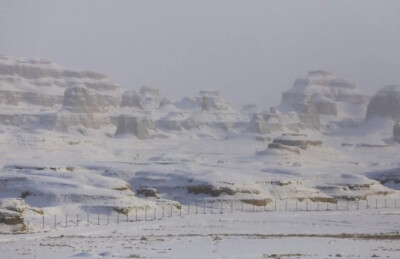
point(12, 211)
point(24, 79)
point(80, 99)
point(258, 124)
point(301, 141)
point(205, 111)
point(132, 99)
point(38, 94)
point(322, 93)
point(51, 186)
point(313, 101)
point(385, 103)
point(151, 97)
point(174, 121)
point(137, 126)
point(11, 221)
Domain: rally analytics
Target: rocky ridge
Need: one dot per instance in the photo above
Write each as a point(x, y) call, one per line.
point(81, 101)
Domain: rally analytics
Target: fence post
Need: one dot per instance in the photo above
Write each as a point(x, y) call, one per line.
point(188, 208)
point(376, 203)
point(347, 204)
point(395, 204)
point(127, 216)
point(327, 206)
point(221, 207)
point(385, 203)
point(77, 220)
point(231, 206)
point(136, 213)
point(171, 210)
point(337, 205)
point(212, 207)
point(306, 205)
point(296, 205)
point(162, 212)
point(204, 208)
point(367, 204)
point(275, 204)
point(27, 230)
point(88, 219)
point(155, 213)
point(145, 213)
point(42, 221)
point(242, 206)
point(55, 221)
point(180, 210)
point(317, 205)
point(117, 217)
point(253, 207)
point(98, 218)
point(358, 205)
point(196, 207)
point(108, 217)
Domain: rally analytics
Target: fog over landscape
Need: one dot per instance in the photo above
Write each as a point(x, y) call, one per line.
point(249, 51)
point(199, 129)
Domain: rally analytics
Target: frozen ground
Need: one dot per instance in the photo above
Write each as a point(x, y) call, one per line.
point(317, 234)
point(103, 167)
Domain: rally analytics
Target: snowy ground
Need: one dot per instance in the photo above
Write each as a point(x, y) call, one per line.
point(104, 167)
point(316, 234)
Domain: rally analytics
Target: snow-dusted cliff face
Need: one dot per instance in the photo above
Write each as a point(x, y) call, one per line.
point(330, 95)
point(385, 103)
point(314, 101)
point(80, 99)
point(38, 94)
point(132, 99)
point(41, 77)
point(129, 125)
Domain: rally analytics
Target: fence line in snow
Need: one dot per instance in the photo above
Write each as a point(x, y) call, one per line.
point(68, 220)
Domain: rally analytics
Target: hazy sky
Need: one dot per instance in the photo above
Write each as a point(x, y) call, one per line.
point(248, 50)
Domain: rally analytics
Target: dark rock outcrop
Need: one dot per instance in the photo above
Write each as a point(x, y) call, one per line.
point(147, 192)
point(296, 140)
point(12, 218)
point(279, 146)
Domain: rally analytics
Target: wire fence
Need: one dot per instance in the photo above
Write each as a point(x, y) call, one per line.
point(38, 223)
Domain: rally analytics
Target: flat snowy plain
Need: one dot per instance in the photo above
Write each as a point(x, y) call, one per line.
point(272, 234)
